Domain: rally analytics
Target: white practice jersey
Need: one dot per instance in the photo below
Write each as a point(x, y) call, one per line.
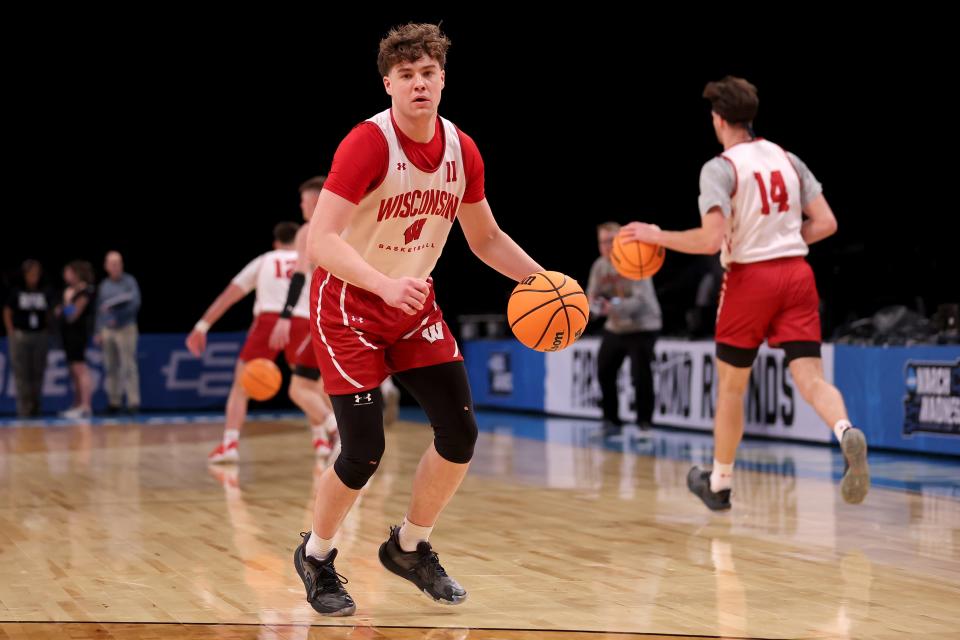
point(270, 275)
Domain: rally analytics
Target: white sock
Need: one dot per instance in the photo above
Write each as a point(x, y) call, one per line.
point(330, 424)
point(230, 435)
point(318, 547)
point(411, 534)
point(319, 432)
point(840, 427)
point(721, 477)
point(387, 387)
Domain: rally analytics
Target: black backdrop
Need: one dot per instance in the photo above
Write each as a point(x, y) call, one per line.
point(180, 140)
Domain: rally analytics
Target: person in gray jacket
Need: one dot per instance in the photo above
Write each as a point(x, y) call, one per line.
point(118, 303)
point(633, 322)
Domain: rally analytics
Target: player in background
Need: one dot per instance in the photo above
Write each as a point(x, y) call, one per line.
point(269, 274)
point(761, 207)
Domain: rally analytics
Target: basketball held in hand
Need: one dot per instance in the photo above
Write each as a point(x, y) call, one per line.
point(636, 260)
point(548, 311)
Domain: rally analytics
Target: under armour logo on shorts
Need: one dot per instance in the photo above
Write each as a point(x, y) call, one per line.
point(361, 398)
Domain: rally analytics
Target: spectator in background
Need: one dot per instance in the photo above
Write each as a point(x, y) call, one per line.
point(76, 324)
point(633, 321)
point(27, 314)
point(118, 302)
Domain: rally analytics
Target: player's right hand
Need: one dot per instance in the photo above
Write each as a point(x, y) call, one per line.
point(196, 342)
point(280, 335)
point(640, 232)
point(406, 293)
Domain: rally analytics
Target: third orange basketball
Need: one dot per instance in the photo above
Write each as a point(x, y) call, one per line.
point(261, 378)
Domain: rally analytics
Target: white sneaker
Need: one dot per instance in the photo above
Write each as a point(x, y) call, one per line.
point(224, 453)
point(321, 446)
point(76, 413)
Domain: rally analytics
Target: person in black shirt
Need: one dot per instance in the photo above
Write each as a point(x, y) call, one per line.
point(27, 314)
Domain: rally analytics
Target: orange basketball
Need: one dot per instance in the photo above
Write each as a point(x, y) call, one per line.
point(261, 379)
point(548, 311)
point(636, 260)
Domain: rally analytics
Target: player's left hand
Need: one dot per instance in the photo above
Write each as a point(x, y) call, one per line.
point(640, 232)
point(280, 335)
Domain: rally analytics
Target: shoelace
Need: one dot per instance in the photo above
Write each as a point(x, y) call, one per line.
point(328, 581)
point(431, 561)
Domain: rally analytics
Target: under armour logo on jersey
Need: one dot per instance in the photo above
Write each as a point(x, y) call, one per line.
point(413, 232)
point(356, 319)
point(362, 398)
point(433, 333)
point(401, 166)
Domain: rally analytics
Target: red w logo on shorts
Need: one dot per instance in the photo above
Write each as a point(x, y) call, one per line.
point(413, 232)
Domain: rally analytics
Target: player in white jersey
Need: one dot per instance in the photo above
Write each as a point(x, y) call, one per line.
point(397, 184)
point(269, 274)
point(761, 207)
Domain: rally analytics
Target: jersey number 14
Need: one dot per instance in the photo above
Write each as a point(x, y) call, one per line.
point(778, 192)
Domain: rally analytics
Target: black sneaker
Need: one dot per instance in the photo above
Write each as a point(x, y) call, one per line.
point(324, 585)
point(856, 476)
point(113, 410)
point(698, 481)
point(422, 568)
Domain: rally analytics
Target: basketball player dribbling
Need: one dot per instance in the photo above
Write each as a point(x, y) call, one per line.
point(753, 199)
point(397, 184)
point(269, 274)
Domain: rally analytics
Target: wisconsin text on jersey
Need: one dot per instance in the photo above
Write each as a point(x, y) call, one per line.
point(433, 202)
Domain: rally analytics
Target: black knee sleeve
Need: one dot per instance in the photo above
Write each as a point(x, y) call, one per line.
point(799, 349)
point(309, 373)
point(444, 394)
point(360, 422)
point(736, 356)
point(455, 434)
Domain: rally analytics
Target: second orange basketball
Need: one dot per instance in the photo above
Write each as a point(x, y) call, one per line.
point(636, 260)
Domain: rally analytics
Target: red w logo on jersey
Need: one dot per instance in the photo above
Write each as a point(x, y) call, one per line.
point(413, 232)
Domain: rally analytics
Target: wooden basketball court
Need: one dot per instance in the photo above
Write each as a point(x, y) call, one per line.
point(122, 531)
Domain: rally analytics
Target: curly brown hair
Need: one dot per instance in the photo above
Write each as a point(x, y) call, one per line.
point(733, 99)
point(409, 42)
